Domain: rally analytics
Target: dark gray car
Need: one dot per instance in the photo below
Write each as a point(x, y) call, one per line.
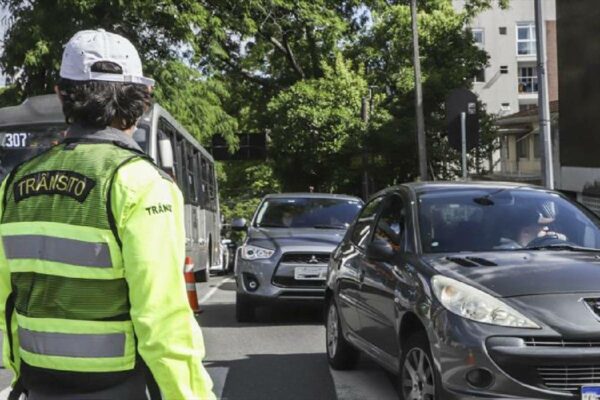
point(478, 290)
point(287, 248)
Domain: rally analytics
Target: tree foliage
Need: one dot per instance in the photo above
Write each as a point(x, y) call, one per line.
point(162, 31)
point(295, 69)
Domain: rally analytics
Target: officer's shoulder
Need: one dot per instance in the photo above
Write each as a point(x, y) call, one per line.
point(140, 173)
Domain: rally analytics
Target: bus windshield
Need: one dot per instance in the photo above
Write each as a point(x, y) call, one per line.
point(20, 143)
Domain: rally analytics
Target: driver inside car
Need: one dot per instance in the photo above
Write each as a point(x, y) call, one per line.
point(537, 227)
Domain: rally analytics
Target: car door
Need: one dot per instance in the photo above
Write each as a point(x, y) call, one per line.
point(350, 272)
point(380, 284)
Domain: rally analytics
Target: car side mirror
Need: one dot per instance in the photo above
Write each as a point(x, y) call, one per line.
point(239, 224)
point(379, 250)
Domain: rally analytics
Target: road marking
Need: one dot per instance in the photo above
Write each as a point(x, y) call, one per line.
point(212, 291)
point(363, 384)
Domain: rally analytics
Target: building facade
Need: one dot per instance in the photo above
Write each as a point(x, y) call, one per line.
point(508, 86)
point(509, 83)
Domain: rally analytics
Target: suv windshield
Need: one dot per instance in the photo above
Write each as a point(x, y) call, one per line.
point(503, 219)
point(20, 143)
point(307, 212)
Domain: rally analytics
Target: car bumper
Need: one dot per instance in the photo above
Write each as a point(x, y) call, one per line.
point(460, 347)
point(263, 272)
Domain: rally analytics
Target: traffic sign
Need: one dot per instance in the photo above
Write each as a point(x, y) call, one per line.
point(459, 101)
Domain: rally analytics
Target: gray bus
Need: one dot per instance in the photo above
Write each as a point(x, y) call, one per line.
point(38, 123)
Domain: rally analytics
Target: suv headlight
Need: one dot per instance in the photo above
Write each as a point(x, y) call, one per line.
point(250, 252)
point(470, 303)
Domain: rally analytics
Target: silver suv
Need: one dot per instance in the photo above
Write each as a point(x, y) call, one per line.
point(287, 248)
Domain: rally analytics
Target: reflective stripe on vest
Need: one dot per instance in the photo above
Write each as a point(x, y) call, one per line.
point(68, 251)
point(72, 344)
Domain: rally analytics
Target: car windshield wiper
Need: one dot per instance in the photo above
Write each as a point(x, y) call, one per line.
point(568, 247)
point(325, 226)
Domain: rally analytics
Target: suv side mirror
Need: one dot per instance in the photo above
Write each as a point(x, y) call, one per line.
point(239, 224)
point(379, 250)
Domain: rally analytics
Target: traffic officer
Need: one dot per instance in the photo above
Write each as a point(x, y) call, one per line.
point(91, 282)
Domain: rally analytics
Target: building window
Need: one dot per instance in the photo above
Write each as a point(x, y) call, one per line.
point(528, 82)
point(537, 146)
point(526, 39)
point(478, 37)
point(479, 41)
point(523, 146)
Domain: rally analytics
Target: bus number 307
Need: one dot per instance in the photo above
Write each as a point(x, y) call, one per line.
point(15, 140)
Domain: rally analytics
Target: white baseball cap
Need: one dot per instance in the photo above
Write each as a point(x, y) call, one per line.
point(91, 46)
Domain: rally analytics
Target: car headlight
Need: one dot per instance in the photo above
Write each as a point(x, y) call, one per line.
point(250, 252)
point(470, 303)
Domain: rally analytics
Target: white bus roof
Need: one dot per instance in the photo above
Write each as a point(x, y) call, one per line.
point(35, 110)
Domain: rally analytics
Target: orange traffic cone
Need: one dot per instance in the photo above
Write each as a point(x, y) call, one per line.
point(190, 284)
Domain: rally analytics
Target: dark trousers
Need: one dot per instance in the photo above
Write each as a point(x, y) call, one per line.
point(43, 384)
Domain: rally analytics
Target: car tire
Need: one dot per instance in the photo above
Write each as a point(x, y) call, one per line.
point(417, 377)
point(340, 354)
point(244, 309)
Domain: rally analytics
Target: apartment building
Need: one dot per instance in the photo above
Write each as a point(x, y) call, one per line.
point(508, 86)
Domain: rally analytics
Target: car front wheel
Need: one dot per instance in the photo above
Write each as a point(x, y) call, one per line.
point(417, 374)
point(340, 354)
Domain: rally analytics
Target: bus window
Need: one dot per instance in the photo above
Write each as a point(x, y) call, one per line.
point(20, 143)
point(191, 179)
point(205, 183)
point(211, 182)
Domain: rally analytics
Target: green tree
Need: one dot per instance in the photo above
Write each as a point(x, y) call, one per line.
point(318, 131)
point(162, 31)
point(449, 60)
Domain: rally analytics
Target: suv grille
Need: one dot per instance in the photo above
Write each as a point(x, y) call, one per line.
point(569, 378)
point(305, 258)
point(284, 274)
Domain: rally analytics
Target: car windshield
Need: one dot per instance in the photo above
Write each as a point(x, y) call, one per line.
point(503, 219)
point(307, 212)
point(20, 143)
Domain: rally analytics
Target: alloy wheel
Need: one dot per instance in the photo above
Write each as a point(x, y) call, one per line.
point(417, 376)
point(332, 330)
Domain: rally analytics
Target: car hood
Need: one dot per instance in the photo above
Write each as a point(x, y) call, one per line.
point(520, 273)
point(299, 237)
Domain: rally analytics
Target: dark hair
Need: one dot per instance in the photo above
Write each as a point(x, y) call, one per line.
point(101, 103)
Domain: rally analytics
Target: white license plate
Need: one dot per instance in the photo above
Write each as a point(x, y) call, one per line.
point(310, 273)
point(590, 393)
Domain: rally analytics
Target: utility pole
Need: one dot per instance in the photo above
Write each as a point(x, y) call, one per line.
point(364, 114)
point(543, 103)
point(421, 139)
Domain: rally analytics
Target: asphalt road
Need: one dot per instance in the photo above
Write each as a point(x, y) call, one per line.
point(280, 356)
